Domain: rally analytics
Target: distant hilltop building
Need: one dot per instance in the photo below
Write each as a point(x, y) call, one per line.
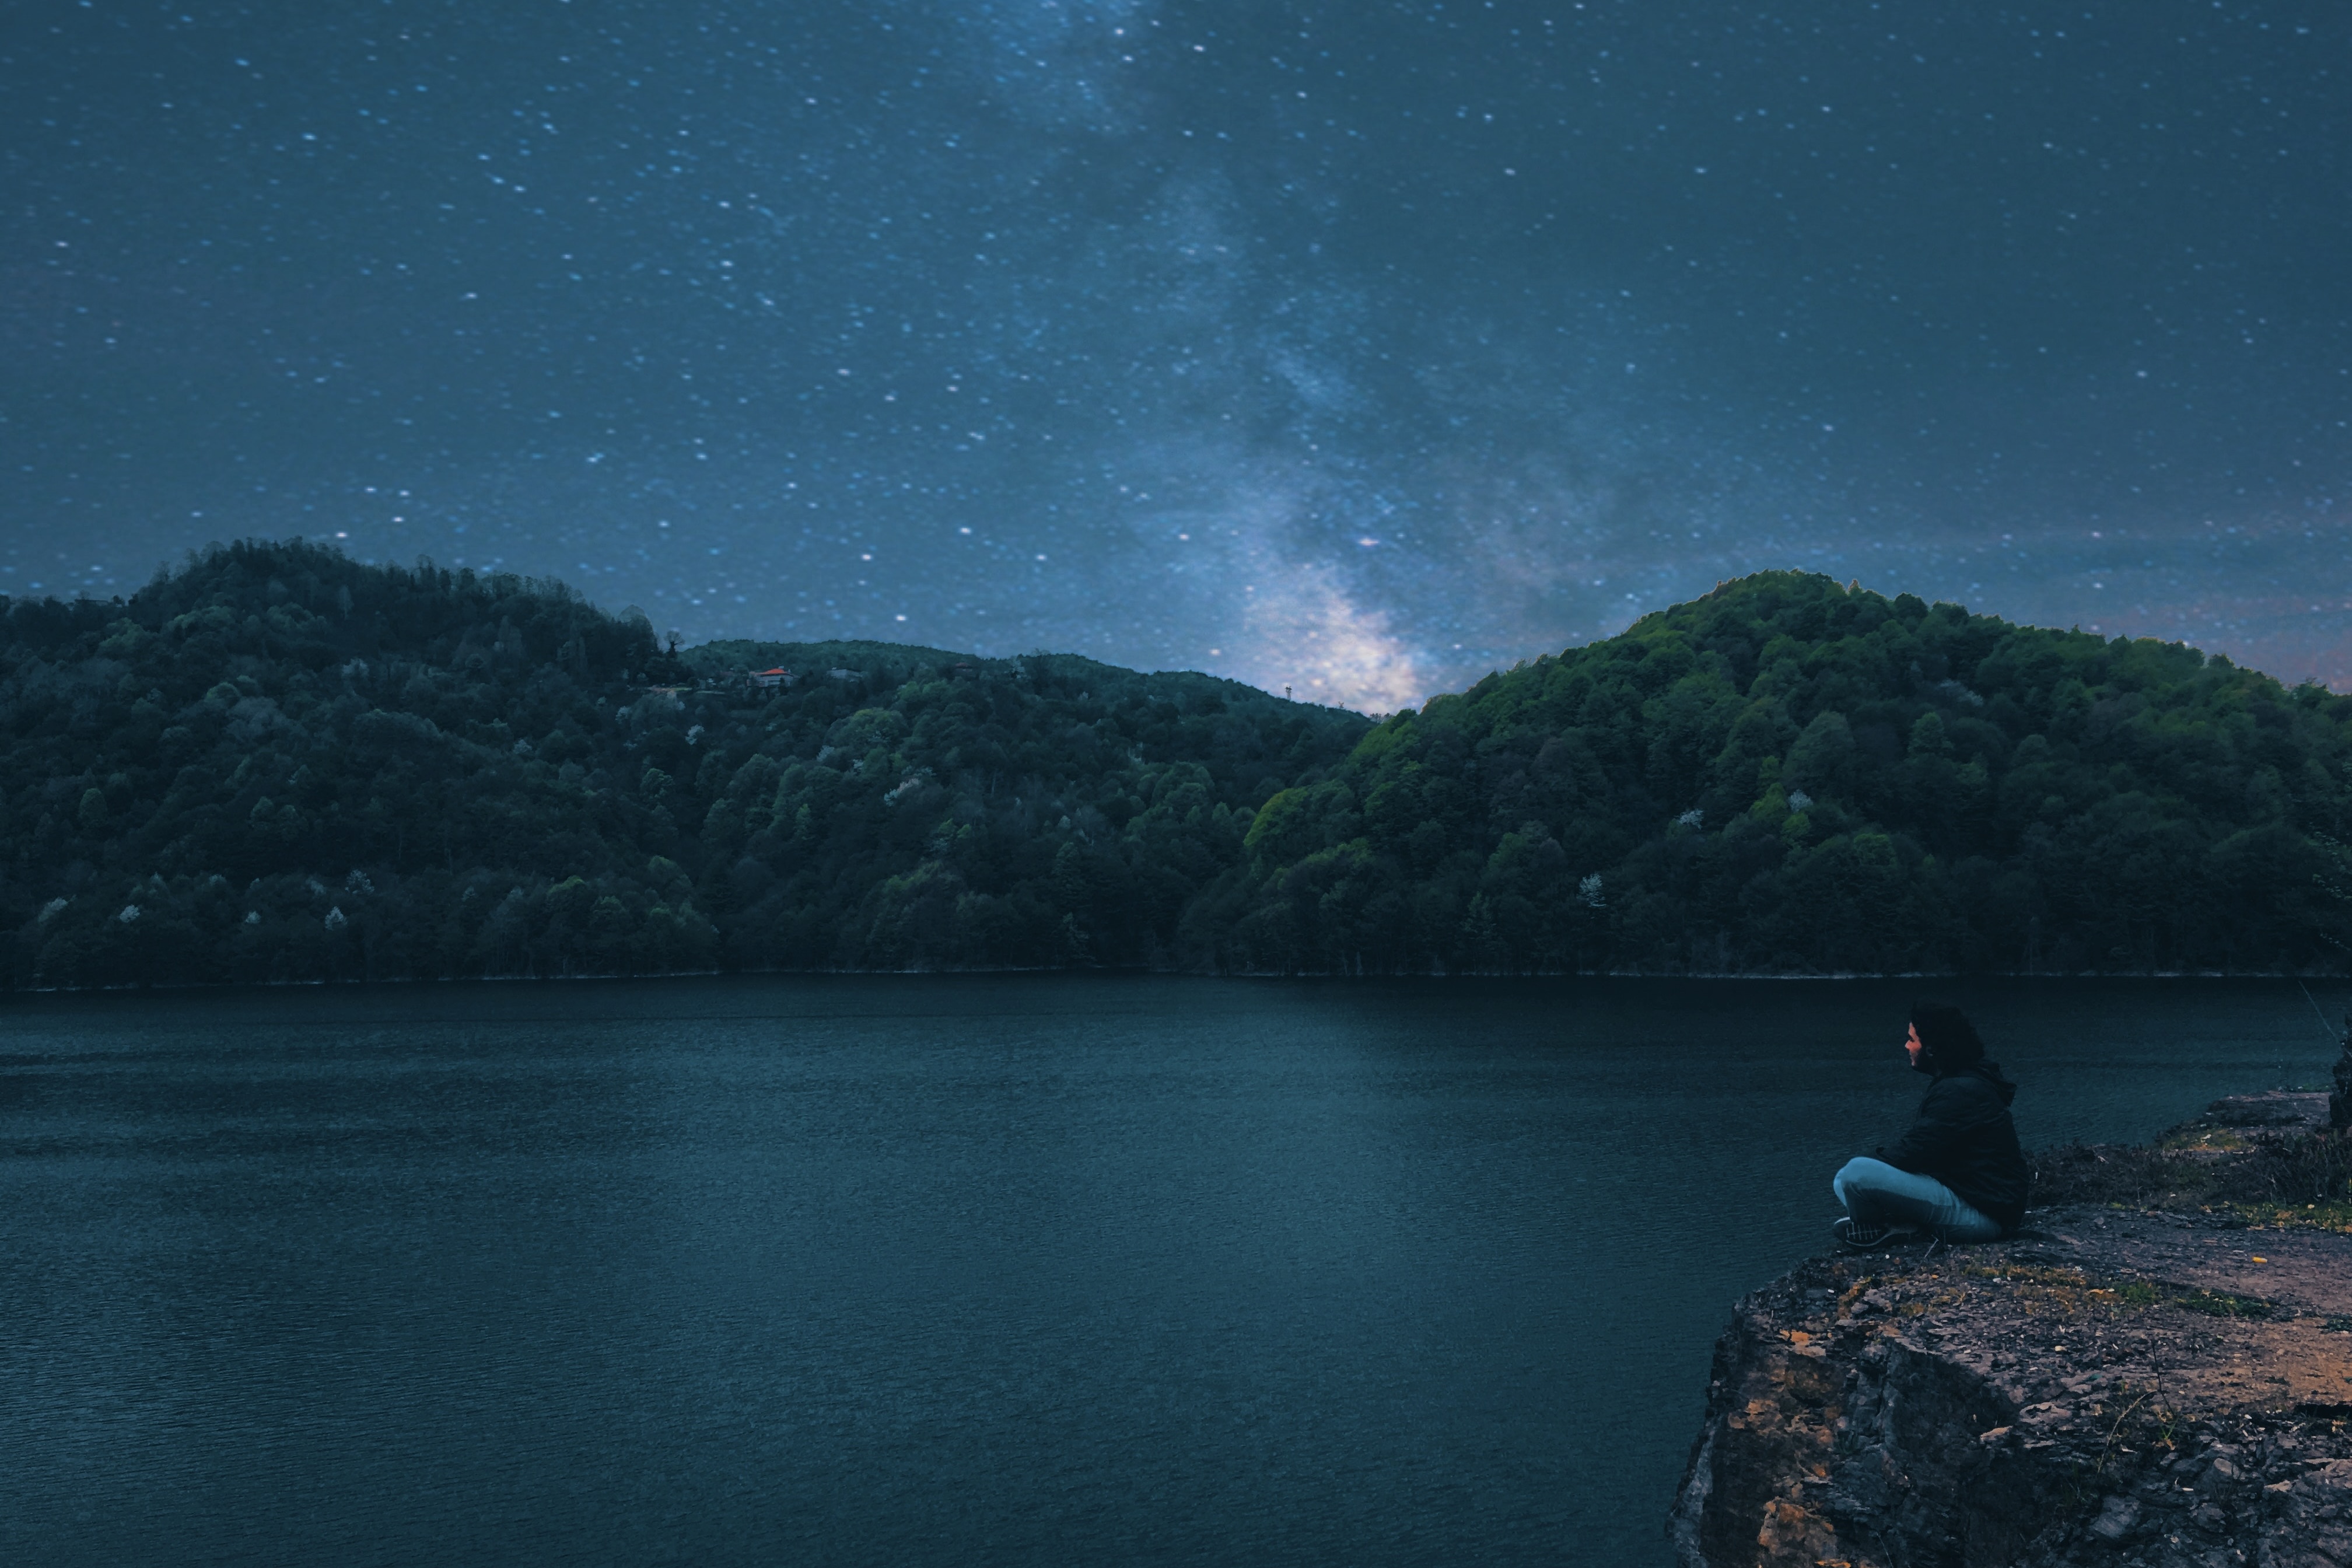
point(778, 676)
point(842, 674)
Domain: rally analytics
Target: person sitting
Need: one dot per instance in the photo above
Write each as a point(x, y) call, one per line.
point(1959, 1173)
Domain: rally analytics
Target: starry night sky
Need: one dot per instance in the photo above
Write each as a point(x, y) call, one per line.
point(1357, 346)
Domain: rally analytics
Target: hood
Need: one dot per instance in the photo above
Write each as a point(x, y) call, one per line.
point(1990, 1073)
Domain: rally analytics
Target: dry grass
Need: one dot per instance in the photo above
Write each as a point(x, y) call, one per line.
point(2204, 1168)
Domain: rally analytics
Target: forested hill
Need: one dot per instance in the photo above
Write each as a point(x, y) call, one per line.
point(1785, 775)
point(281, 764)
point(278, 764)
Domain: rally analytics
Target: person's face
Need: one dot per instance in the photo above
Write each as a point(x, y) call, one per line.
point(1912, 1046)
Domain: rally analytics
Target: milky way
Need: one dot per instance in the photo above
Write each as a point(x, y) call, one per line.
point(1355, 347)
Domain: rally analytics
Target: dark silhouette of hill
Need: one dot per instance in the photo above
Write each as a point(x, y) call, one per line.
point(1788, 776)
point(279, 763)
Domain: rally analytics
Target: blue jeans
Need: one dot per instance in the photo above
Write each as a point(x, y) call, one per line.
point(1875, 1193)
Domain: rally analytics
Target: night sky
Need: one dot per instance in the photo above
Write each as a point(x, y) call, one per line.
point(1360, 347)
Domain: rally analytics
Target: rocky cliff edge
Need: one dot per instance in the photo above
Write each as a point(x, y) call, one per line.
point(2157, 1370)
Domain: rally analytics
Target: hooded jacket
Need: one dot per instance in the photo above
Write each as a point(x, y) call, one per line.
point(1963, 1137)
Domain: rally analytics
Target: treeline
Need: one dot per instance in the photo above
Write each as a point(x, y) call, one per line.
point(1786, 776)
point(281, 764)
point(278, 764)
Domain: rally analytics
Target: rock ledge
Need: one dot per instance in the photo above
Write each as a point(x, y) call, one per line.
point(2159, 1383)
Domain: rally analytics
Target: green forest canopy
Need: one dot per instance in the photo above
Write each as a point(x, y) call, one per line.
point(279, 763)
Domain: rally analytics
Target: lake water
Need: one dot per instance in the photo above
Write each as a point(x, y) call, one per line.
point(947, 1271)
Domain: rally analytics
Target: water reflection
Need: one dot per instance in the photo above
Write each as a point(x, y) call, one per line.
point(946, 1269)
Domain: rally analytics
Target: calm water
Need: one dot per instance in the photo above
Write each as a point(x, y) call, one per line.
point(946, 1270)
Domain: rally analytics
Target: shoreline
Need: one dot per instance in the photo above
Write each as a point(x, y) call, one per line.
point(1773, 977)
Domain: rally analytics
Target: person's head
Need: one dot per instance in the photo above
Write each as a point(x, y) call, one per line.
point(1942, 1038)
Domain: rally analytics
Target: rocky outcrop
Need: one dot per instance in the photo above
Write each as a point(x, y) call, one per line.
point(2161, 1383)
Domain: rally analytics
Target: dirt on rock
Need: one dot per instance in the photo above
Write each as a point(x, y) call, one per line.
point(2165, 1380)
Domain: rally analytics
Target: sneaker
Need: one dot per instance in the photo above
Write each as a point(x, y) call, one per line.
point(1856, 1236)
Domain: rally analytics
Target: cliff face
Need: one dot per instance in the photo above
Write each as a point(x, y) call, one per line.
point(2154, 1384)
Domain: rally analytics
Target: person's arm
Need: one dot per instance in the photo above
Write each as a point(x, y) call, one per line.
point(1933, 1132)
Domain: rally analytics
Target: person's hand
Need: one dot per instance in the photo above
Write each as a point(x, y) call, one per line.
point(1913, 1045)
